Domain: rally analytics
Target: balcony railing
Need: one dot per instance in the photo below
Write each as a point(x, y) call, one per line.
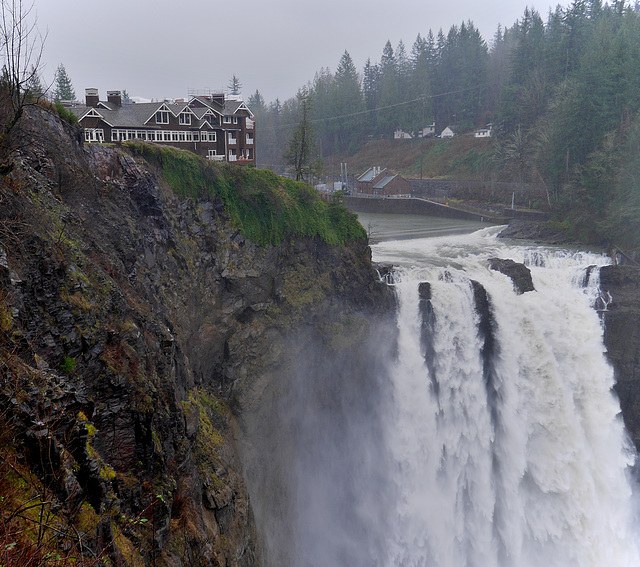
point(250, 123)
point(249, 140)
point(233, 140)
point(215, 158)
point(233, 158)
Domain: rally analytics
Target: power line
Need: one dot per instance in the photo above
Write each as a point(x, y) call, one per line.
point(421, 98)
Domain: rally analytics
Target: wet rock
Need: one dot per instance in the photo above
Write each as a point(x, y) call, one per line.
point(519, 273)
point(622, 339)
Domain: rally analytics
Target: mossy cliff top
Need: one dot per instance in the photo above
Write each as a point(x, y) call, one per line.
point(267, 208)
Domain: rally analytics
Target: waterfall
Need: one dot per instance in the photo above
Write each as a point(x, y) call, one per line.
point(477, 428)
point(505, 437)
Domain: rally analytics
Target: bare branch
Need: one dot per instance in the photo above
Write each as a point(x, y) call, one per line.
point(21, 48)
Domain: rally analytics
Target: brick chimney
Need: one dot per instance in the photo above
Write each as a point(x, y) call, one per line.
point(114, 97)
point(91, 97)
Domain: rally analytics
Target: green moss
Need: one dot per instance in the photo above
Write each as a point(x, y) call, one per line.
point(6, 320)
point(267, 208)
point(68, 365)
point(211, 412)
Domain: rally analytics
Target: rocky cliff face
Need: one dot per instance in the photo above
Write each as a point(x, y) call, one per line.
point(622, 339)
point(143, 343)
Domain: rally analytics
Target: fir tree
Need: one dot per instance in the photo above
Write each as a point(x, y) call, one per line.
point(235, 86)
point(64, 87)
point(34, 84)
point(256, 102)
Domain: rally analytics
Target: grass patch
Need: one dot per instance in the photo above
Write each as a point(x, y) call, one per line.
point(267, 208)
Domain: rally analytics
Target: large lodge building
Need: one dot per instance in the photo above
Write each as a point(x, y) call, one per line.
point(216, 127)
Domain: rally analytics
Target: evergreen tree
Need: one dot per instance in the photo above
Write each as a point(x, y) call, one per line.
point(34, 84)
point(403, 69)
point(388, 59)
point(256, 102)
point(420, 114)
point(235, 86)
point(418, 48)
point(64, 87)
point(432, 55)
point(371, 93)
point(323, 91)
point(371, 85)
point(347, 102)
point(387, 119)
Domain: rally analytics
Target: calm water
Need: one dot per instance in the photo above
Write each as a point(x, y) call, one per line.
point(381, 227)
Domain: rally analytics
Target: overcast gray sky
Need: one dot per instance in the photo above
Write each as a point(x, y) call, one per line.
point(161, 48)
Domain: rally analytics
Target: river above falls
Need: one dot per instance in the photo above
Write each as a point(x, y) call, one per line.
point(382, 227)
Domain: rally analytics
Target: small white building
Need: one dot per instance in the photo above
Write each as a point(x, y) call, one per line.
point(484, 132)
point(401, 135)
point(427, 131)
point(448, 132)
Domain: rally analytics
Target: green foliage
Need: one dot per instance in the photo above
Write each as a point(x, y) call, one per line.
point(209, 439)
point(68, 365)
point(63, 86)
point(65, 114)
point(621, 222)
point(268, 209)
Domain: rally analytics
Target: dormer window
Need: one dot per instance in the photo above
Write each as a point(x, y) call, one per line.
point(162, 117)
point(185, 118)
point(226, 120)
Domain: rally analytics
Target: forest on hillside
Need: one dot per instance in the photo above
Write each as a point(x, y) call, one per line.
point(562, 94)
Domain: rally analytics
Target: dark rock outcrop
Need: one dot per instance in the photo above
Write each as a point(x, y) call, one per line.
point(519, 273)
point(622, 339)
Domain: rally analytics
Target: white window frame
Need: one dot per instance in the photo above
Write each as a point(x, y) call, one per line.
point(184, 118)
point(226, 120)
point(162, 117)
point(94, 135)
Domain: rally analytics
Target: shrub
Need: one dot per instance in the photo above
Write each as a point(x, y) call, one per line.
point(65, 114)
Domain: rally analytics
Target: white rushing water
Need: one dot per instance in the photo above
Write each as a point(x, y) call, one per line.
point(513, 453)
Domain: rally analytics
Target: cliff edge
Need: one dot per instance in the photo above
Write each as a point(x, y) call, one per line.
point(152, 306)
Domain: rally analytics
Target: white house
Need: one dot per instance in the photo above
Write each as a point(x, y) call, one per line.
point(484, 132)
point(401, 135)
point(448, 132)
point(427, 131)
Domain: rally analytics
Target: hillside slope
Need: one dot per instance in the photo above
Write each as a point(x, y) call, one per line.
point(461, 158)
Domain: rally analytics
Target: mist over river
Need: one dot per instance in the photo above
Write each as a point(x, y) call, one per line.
point(487, 434)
